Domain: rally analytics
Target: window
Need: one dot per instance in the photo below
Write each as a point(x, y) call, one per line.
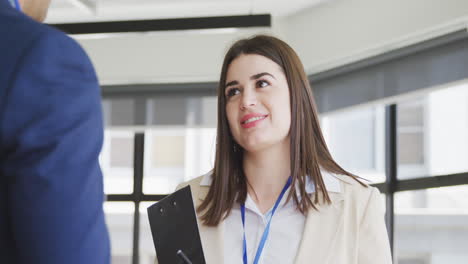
point(432, 223)
point(432, 133)
point(411, 138)
point(147, 251)
point(412, 260)
point(179, 145)
point(119, 220)
point(356, 141)
point(117, 161)
point(122, 112)
point(168, 111)
point(164, 160)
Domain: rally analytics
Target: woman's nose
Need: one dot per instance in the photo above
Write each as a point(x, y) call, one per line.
point(249, 99)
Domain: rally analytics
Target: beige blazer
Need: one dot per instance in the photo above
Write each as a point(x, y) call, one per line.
point(351, 230)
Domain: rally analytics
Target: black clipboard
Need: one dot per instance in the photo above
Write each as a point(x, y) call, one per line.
point(173, 223)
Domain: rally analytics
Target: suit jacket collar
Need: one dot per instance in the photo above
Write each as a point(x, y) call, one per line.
point(7, 8)
point(6, 3)
point(324, 223)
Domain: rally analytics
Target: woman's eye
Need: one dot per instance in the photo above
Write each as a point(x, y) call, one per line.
point(232, 92)
point(262, 83)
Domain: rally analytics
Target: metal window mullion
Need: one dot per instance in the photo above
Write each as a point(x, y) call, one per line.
point(138, 158)
point(391, 168)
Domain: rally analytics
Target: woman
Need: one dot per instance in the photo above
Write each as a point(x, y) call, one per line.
point(275, 194)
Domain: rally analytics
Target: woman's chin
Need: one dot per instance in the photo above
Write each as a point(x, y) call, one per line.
point(257, 146)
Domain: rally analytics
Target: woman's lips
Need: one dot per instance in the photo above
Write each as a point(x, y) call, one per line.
point(253, 121)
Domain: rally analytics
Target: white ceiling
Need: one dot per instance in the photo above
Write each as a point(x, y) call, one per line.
point(68, 11)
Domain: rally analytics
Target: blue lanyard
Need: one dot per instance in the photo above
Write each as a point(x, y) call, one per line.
point(267, 228)
point(15, 4)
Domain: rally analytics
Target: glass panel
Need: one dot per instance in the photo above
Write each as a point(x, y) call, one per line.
point(169, 111)
point(411, 146)
point(432, 226)
point(164, 160)
point(202, 111)
point(356, 140)
point(175, 155)
point(121, 152)
point(117, 161)
point(147, 251)
point(122, 112)
point(412, 114)
point(119, 219)
point(433, 133)
point(168, 151)
point(413, 260)
point(201, 148)
point(106, 112)
point(209, 111)
point(191, 111)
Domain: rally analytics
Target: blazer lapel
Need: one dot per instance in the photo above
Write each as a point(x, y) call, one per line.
point(320, 231)
point(211, 237)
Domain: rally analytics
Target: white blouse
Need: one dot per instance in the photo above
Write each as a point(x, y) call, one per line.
point(286, 228)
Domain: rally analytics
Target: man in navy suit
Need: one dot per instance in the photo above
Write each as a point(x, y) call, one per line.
point(51, 187)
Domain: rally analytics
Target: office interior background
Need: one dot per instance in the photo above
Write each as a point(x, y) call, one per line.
point(390, 79)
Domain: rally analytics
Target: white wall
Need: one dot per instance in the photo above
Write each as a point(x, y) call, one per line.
point(184, 56)
point(345, 30)
point(325, 36)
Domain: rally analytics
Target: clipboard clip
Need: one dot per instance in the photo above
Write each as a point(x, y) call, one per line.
point(184, 257)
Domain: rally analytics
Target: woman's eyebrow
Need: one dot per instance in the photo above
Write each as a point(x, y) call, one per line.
point(231, 83)
point(253, 77)
point(258, 75)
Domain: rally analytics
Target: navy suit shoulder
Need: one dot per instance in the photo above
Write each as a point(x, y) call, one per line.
point(22, 36)
point(51, 133)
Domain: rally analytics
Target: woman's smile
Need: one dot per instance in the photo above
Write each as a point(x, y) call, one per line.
point(251, 120)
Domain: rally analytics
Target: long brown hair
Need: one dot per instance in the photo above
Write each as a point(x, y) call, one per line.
point(308, 151)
